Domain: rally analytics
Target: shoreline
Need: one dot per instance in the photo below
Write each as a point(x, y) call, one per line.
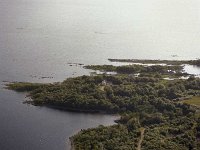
point(195, 62)
point(84, 94)
point(74, 109)
point(71, 143)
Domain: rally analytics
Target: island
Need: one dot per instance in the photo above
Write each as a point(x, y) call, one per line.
point(158, 109)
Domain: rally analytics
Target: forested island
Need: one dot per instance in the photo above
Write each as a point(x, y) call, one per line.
point(156, 114)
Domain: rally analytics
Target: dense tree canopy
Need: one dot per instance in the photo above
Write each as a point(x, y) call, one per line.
point(153, 116)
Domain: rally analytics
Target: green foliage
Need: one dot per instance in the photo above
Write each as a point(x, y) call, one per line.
point(23, 86)
point(154, 70)
point(146, 102)
point(116, 137)
point(193, 101)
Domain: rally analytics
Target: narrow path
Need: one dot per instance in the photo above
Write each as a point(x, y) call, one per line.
point(141, 138)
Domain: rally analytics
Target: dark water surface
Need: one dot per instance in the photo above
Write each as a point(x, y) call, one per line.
point(26, 127)
point(39, 38)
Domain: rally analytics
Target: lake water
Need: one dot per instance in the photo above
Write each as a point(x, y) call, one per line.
point(39, 38)
point(26, 127)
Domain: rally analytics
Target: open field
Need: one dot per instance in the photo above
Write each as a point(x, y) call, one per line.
point(193, 101)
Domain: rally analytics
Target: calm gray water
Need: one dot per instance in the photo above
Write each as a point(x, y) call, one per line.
point(26, 127)
point(38, 38)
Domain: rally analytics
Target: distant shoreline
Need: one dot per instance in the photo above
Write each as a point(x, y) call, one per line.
point(158, 61)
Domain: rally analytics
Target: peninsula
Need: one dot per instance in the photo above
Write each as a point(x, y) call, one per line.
point(156, 114)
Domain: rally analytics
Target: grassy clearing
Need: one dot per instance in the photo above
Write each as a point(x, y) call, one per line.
point(193, 101)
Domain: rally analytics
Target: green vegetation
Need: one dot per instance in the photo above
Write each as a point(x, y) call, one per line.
point(149, 61)
point(194, 62)
point(176, 129)
point(157, 71)
point(120, 93)
point(153, 116)
point(114, 137)
point(193, 101)
point(24, 86)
